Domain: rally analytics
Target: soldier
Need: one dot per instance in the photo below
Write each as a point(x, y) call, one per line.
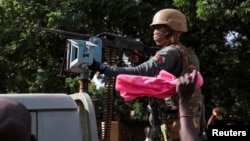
point(168, 25)
point(147, 131)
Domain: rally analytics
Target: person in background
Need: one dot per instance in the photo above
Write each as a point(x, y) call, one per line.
point(147, 132)
point(215, 117)
point(185, 88)
point(15, 121)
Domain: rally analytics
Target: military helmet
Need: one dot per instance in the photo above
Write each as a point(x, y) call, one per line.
point(175, 19)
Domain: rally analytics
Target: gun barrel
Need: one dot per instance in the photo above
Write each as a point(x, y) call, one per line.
point(62, 32)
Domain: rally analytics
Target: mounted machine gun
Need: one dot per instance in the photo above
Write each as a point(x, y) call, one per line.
point(82, 49)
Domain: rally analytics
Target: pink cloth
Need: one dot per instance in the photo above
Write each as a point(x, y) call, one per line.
point(164, 85)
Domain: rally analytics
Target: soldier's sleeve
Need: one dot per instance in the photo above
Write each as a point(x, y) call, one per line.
point(148, 68)
point(169, 59)
point(164, 59)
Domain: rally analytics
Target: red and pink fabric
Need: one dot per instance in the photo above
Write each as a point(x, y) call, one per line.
point(162, 86)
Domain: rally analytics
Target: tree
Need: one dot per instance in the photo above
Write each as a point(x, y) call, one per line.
point(224, 64)
point(30, 61)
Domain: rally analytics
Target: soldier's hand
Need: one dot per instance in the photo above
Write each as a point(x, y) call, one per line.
point(96, 66)
point(138, 57)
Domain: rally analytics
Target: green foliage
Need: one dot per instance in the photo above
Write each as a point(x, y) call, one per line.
point(97, 97)
point(72, 84)
point(224, 64)
point(30, 60)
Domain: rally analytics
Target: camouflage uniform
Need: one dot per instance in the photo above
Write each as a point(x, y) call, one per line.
point(169, 59)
